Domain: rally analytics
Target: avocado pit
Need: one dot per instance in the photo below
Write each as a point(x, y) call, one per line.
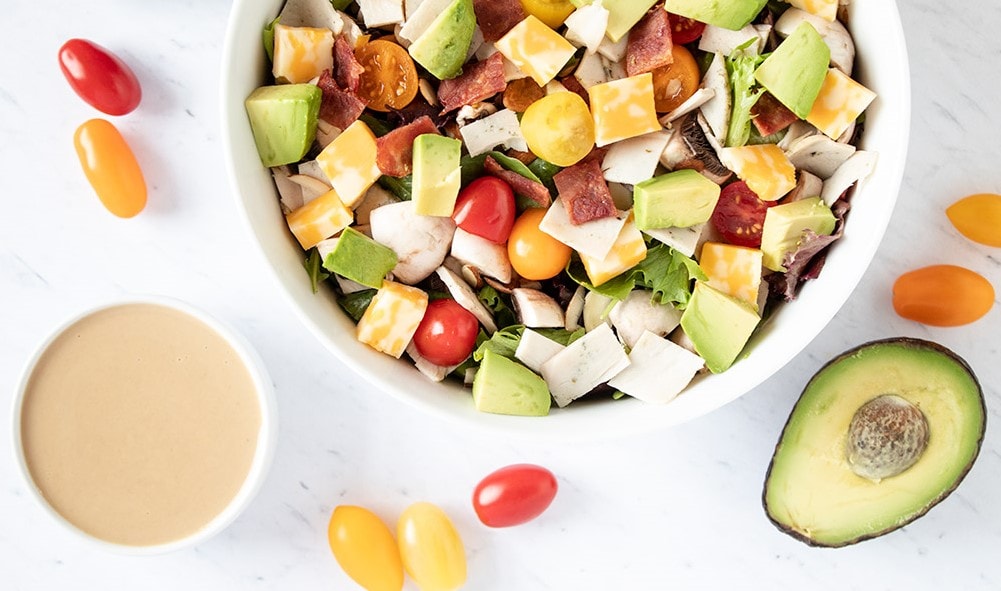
point(887, 435)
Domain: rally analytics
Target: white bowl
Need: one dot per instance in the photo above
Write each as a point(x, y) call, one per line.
point(267, 434)
point(882, 65)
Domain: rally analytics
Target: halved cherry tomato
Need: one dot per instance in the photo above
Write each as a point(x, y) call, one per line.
point(551, 12)
point(559, 128)
point(364, 547)
point(514, 495)
point(110, 167)
point(486, 208)
point(431, 549)
point(740, 215)
point(676, 82)
point(447, 333)
point(99, 77)
point(390, 77)
point(942, 295)
point(534, 254)
point(684, 29)
point(978, 217)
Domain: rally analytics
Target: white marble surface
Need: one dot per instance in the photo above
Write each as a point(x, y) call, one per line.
point(675, 509)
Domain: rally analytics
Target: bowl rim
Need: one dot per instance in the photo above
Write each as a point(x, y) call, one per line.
point(267, 435)
point(582, 428)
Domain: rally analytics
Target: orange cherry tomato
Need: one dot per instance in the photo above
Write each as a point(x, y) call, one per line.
point(390, 77)
point(942, 295)
point(978, 217)
point(676, 82)
point(111, 167)
point(365, 548)
point(534, 254)
point(431, 549)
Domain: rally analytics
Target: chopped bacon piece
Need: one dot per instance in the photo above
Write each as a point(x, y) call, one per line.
point(478, 81)
point(770, 116)
point(415, 110)
point(521, 93)
point(525, 187)
point(497, 17)
point(573, 85)
point(347, 70)
point(649, 46)
point(338, 107)
point(584, 192)
point(395, 151)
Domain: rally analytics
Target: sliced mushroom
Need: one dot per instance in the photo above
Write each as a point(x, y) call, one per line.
point(419, 241)
point(312, 187)
point(289, 193)
point(596, 308)
point(575, 309)
point(677, 150)
point(488, 257)
point(536, 309)
point(465, 297)
point(326, 133)
point(819, 155)
point(312, 168)
point(638, 313)
point(855, 169)
point(797, 131)
point(807, 185)
point(699, 98)
point(469, 113)
point(427, 91)
point(312, 13)
point(375, 197)
point(834, 34)
point(717, 109)
point(705, 153)
point(435, 372)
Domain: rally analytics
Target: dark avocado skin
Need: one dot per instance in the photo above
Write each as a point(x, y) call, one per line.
point(907, 342)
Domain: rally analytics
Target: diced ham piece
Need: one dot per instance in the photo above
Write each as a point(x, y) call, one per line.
point(338, 107)
point(770, 116)
point(478, 81)
point(497, 17)
point(347, 70)
point(395, 151)
point(649, 46)
point(584, 192)
point(525, 187)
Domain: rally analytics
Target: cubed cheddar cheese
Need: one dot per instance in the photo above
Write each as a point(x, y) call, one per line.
point(319, 219)
point(840, 102)
point(827, 9)
point(536, 49)
point(734, 270)
point(623, 109)
point(629, 249)
point(301, 53)
point(390, 321)
point(765, 168)
point(349, 163)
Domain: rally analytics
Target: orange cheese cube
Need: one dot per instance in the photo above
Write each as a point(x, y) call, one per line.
point(765, 168)
point(319, 219)
point(301, 53)
point(349, 163)
point(840, 102)
point(536, 49)
point(734, 270)
point(623, 109)
point(827, 9)
point(390, 321)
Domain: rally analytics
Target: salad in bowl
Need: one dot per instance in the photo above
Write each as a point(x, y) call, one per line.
point(545, 201)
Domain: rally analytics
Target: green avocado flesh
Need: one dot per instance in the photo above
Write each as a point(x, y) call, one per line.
point(506, 387)
point(283, 120)
point(811, 491)
point(442, 48)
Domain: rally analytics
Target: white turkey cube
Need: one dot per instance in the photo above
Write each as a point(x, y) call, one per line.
point(410, 7)
point(419, 241)
point(536, 309)
point(584, 364)
point(586, 26)
point(500, 129)
point(534, 350)
point(613, 70)
point(638, 313)
point(379, 13)
point(658, 370)
point(591, 71)
point(425, 14)
point(488, 257)
point(634, 160)
point(613, 50)
point(719, 40)
point(683, 240)
point(594, 238)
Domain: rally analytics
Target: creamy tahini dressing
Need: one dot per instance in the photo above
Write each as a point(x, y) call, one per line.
point(139, 424)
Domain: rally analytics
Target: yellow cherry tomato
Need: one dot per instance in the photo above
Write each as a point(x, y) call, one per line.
point(365, 548)
point(558, 128)
point(551, 12)
point(111, 167)
point(978, 217)
point(676, 82)
point(942, 295)
point(431, 549)
point(534, 254)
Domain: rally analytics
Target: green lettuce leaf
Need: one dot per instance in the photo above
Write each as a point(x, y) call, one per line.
point(499, 305)
point(664, 271)
point(505, 341)
point(740, 68)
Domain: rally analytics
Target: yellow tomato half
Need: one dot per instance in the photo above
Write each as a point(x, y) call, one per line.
point(551, 12)
point(559, 128)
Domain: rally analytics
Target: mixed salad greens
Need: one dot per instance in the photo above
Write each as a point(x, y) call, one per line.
point(554, 198)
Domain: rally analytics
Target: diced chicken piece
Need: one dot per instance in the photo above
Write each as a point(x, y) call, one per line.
point(379, 13)
point(536, 309)
point(534, 350)
point(489, 258)
point(717, 109)
point(586, 26)
point(807, 185)
point(575, 309)
point(374, 198)
point(683, 240)
point(596, 307)
point(699, 98)
point(658, 370)
point(591, 71)
point(633, 160)
point(435, 372)
point(465, 297)
point(819, 154)
point(638, 313)
point(289, 193)
point(719, 40)
point(855, 169)
point(584, 364)
point(594, 238)
point(311, 187)
point(834, 34)
point(311, 13)
point(500, 129)
point(419, 241)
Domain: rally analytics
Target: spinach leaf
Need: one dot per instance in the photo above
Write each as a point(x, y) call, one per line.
point(314, 266)
point(356, 303)
point(403, 188)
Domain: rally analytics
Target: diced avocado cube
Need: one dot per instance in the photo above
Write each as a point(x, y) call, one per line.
point(503, 386)
point(729, 14)
point(283, 119)
point(795, 71)
point(360, 259)
point(442, 47)
point(437, 174)
point(623, 14)
point(784, 227)
point(677, 199)
point(718, 325)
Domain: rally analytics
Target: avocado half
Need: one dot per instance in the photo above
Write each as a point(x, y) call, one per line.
point(814, 493)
